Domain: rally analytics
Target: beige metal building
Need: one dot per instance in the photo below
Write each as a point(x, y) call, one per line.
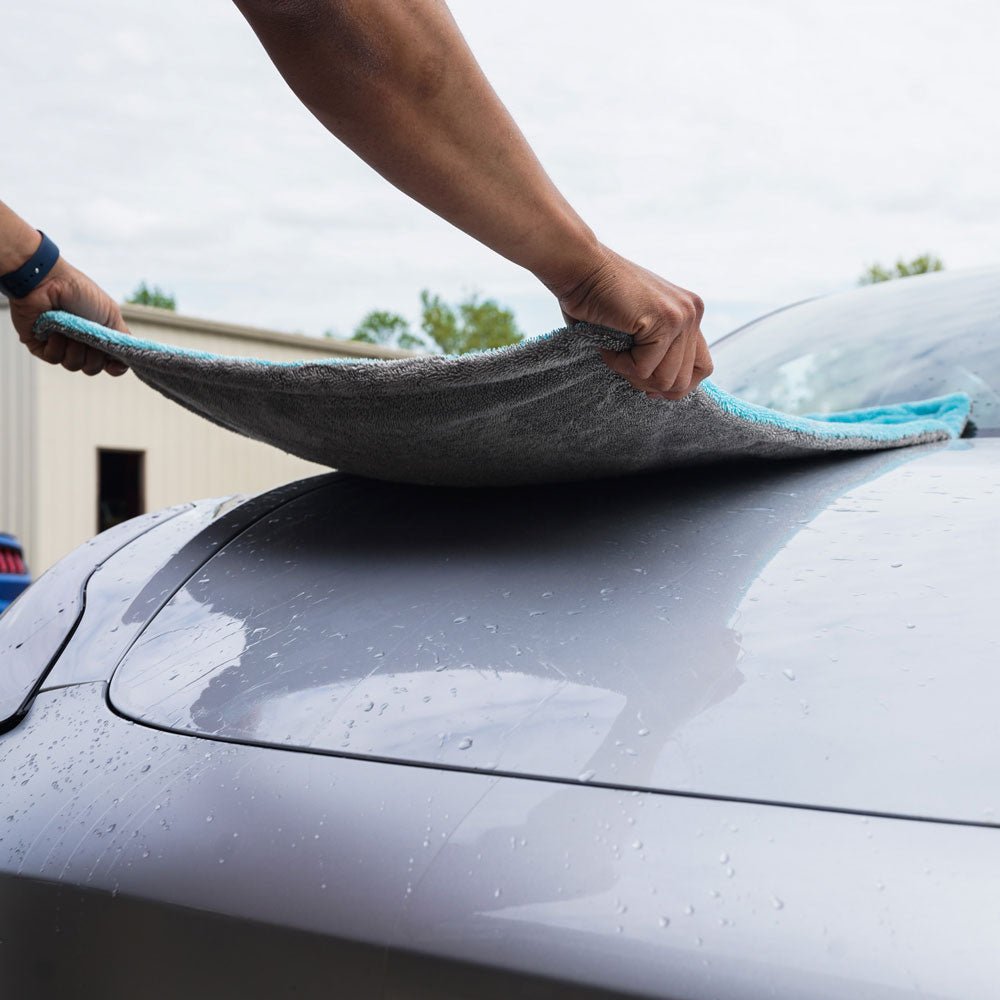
point(79, 454)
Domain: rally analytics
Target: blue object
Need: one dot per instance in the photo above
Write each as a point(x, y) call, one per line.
point(16, 284)
point(14, 575)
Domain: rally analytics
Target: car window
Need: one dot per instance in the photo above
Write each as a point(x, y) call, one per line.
point(907, 339)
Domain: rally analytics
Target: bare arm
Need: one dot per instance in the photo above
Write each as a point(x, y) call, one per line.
point(395, 81)
point(64, 287)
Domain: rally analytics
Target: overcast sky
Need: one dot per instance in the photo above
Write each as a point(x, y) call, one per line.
point(756, 153)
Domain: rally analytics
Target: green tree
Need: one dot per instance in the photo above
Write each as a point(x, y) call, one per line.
point(923, 264)
point(380, 327)
point(387, 328)
point(474, 325)
point(155, 296)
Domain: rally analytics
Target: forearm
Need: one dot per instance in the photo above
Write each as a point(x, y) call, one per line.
point(396, 82)
point(18, 240)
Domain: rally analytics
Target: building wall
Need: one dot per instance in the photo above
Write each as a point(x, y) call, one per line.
point(59, 419)
point(18, 449)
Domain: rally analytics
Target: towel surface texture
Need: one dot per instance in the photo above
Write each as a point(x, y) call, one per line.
point(546, 410)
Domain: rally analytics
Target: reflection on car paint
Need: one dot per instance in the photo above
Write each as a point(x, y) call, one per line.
point(549, 641)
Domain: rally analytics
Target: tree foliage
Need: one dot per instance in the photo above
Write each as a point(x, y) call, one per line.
point(923, 264)
point(388, 328)
point(473, 325)
point(155, 296)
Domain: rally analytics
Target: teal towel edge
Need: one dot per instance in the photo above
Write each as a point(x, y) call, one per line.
point(890, 422)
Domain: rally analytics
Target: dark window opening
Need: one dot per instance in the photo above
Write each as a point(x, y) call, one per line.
point(120, 486)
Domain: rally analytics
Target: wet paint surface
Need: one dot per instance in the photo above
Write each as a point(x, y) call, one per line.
point(817, 633)
point(634, 893)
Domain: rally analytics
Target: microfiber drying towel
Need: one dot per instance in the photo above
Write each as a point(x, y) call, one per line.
point(544, 410)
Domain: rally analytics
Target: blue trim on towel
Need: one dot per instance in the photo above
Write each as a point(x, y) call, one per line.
point(875, 423)
point(87, 326)
point(82, 325)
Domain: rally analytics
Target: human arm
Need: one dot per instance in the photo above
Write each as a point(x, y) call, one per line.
point(396, 82)
point(64, 287)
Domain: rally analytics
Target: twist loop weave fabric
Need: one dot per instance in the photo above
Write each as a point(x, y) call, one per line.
point(545, 410)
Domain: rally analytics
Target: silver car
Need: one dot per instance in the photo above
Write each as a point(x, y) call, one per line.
point(729, 732)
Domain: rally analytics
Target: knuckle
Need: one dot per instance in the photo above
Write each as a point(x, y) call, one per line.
point(673, 313)
point(697, 304)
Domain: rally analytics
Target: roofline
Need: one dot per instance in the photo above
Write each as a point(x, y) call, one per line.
point(321, 345)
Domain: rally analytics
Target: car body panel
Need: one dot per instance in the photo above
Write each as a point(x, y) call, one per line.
point(36, 626)
point(130, 587)
point(437, 883)
point(805, 632)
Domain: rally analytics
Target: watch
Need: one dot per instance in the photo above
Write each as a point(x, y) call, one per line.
point(25, 279)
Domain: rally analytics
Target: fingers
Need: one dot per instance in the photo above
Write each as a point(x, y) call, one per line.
point(684, 366)
point(686, 379)
point(74, 356)
point(54, 349)
point(95, 361)
point(674, 372)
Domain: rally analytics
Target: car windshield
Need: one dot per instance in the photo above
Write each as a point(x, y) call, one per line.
point(902, 340)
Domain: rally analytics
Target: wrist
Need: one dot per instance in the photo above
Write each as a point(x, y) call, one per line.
point(18, 246)
point(575, 264)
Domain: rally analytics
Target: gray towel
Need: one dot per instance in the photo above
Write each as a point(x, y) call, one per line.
point(546, 410)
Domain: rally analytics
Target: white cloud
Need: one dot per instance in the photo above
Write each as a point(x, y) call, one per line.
point(757, 154)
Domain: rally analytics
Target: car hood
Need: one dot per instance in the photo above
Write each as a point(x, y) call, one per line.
point(814, 632)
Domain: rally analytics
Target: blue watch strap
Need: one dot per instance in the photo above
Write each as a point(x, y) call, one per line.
point(17, 284)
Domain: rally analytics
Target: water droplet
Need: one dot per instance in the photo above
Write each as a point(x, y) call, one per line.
point(790, 674)
point(497, 893)
point(664, 921)
point(643, 732)
point(145, 768)
point(460, 619)
point(778, 904)
point(896, 565)
point(367, 705)
point(723, 858)
point(689, 910)
point(910, 625)
point(209, 818)
point(464, 743)
point(637, 844)
point(587, 776)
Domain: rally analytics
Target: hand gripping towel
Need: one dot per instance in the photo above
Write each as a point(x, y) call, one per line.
point(545, 410)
